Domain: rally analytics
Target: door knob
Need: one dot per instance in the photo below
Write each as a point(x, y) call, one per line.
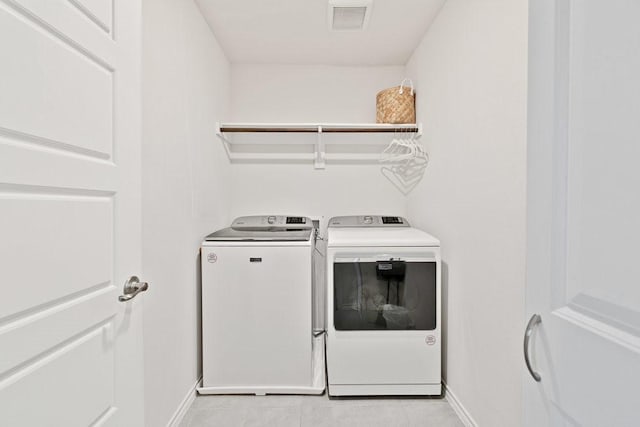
point(132, 287)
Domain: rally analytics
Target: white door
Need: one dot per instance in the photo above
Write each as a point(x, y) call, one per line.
point(70, 352)
point(584, 213)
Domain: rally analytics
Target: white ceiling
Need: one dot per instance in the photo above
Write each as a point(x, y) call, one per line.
point(297, 32)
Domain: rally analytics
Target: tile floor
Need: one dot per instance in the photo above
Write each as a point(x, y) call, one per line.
point(318, 411)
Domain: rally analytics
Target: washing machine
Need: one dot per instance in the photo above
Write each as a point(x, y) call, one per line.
point(383, 308)
point(257, 309)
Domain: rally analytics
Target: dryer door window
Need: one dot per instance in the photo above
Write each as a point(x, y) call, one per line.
point(384, 295)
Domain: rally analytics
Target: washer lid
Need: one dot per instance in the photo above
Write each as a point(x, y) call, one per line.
point(265, 228)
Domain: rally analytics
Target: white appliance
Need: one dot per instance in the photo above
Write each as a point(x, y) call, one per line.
point(257, 332)
point(383, 308)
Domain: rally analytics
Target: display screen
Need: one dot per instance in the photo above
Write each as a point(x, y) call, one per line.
point(391, 220)
point(295, 220)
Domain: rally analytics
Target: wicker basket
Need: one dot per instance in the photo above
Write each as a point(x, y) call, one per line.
point(396, 105)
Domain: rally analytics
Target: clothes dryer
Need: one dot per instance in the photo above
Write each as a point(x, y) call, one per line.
point(384, 308)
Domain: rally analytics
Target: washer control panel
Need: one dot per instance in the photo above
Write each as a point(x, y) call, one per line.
point(368, 221)
point(272, 222)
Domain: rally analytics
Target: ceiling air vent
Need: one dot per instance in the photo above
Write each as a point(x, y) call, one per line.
point(349, 15)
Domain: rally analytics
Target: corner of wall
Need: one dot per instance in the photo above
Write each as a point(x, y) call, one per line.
point(470, 73)
point(184, 193)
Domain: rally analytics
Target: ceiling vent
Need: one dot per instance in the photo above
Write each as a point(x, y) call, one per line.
point(349, 15)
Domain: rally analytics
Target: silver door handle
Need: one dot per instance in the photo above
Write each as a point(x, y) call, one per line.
point(533, 322)
point(133, 287)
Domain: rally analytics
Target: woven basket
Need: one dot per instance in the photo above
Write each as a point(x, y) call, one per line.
point(396, 105)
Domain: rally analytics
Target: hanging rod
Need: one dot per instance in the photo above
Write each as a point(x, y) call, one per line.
point(316, 128)
point(319, 154)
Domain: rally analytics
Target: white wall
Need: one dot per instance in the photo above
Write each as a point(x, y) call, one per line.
point(470, 71)
point(185, 196)
point(471, 75)
point(310, 93)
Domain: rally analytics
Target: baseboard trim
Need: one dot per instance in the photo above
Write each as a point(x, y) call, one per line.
point(458, 408)
point(184, 405)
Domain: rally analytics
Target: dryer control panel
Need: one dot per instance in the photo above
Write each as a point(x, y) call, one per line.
point(368, 221)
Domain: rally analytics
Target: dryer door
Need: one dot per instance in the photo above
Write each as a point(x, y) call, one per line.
point(383, 334)
point(382, 293)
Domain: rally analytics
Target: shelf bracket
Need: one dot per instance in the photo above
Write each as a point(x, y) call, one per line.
point(225, 141)
point(319, 155)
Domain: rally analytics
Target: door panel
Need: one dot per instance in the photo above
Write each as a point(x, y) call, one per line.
point(62, 236)
point(584, 212)
point(69, 196)
point(82, 396)
point(32, 335)
point(54, 91)
point(98, 11)
point(604, 201)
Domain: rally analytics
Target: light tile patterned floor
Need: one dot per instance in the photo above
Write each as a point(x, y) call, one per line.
point(318, 411)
